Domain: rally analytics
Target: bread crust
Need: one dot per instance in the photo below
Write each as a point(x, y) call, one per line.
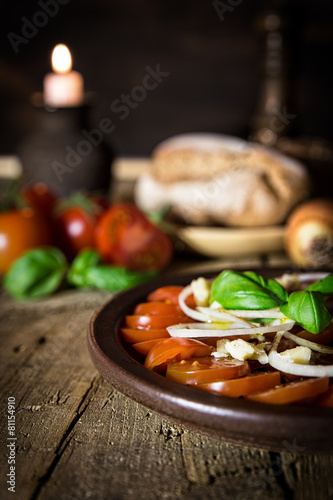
point(253, 186)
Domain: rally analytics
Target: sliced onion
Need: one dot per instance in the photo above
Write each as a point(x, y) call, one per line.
point(223, 316)
point(307, 343)
point(208, 314)
point(288, 366)
point(191, 313)
point(193, 330)
point(273, 313)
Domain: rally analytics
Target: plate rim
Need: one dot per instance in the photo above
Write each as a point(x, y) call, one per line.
point(218, 417)
point(266, 239)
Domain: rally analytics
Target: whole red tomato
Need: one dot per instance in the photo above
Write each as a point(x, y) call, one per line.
point(124, 236)
point(40, 197)
point(75, 222)
point(21, 230)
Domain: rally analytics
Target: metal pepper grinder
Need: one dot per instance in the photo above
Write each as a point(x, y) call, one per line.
point(273, 117)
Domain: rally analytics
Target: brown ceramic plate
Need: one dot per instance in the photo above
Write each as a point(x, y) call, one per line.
point(272, 427)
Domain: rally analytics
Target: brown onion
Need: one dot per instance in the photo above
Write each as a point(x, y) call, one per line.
point(309, 234)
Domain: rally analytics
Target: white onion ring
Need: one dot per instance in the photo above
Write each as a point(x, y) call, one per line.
point(223, 315)
point(193, 330)
point(308, 343)
point(286, 366)
point(206, 314)
point(273, 313)
point(191, 313)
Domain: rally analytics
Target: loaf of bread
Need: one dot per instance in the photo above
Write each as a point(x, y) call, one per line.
point(215, 179)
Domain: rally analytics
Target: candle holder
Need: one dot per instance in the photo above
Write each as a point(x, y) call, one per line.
point(65, 152)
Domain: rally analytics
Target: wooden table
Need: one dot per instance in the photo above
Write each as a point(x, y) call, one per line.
point(76, 437)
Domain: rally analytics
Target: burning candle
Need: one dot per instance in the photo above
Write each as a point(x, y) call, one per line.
point(63, 87)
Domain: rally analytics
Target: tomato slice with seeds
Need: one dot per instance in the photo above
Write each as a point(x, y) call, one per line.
point(237, 387)
point(206, 369)
point(167, 294)
point(155, 321)
point(145, 346)
point(133, 335)
point(292, 392)
point(161, 308)
point(175, 349)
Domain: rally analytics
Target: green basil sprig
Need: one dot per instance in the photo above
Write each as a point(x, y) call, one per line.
point(38, 273)
point(248, 290)
point(87, 271)
point(308, 309)
point(325, 286)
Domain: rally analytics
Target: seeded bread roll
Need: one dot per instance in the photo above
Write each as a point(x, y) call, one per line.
point(214, 179)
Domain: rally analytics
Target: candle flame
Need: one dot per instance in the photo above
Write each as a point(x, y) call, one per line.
point(61, 59)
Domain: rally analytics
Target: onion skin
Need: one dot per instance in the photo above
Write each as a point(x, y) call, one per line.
point(309, 234)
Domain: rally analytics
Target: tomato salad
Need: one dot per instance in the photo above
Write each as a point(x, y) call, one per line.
point(241, 335)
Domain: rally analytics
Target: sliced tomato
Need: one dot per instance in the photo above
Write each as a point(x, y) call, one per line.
point(132, 335)
point(170, 295)
point(167, 294)
point(325, 399)
point(292, 392)
point(161, 308)
point(126, 237)
point(237, 387)
point(145, 346)
point(206, 369)
point(175, 349)
point(325, 337)
point(155, 321)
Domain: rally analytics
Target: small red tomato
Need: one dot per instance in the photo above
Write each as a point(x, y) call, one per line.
point(124, 236)
point(75, 221)
point(21, 230)
point(74, 230)
point(40, 197)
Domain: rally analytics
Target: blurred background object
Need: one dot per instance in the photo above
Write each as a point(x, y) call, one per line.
point(210, 59)
point(274, 28)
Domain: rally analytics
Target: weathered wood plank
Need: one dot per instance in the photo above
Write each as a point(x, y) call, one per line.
point(46, 367)
point(78, 438)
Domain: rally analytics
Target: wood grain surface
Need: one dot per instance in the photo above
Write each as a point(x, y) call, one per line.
point(78, 438)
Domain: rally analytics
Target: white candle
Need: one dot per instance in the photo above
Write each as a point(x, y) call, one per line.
point(63, 87)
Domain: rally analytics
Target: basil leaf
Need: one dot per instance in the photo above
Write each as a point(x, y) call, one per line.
point(325, 286)
point(38, 273)
point(248, 290)
point(114, 278)
point(308, 309)
point(269, 285)
point(85, 259)
point(87, 272)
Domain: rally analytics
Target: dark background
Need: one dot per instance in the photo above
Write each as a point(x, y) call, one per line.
point(213, 66)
